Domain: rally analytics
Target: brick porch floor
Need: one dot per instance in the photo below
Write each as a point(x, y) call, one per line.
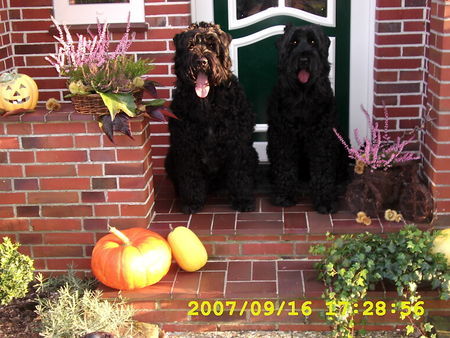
point(260, 256)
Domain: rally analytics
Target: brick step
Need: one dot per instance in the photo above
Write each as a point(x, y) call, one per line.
point(249, 285)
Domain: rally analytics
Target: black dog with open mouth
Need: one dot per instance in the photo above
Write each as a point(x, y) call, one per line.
point(211, 142)
point(301, 112)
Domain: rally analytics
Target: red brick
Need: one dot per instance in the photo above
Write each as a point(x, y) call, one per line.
point(389, 3)
point(74, 183)
point(167, 9)
point(397, 63)
point(61, 156)
point(47, 142)
point(92, 196)
point(69, 238)
point(55, 224)
point(90, 169)
point(134, 209)
point(59, 128)
point(9, 143)
point(102, 155)
point(18, 128)
point(124, 169)
point(268, 248)
point(127, 196)
point(27, 211)
point(64, 264)
point(12, 198)
point(57, 251)
point(104, 183)
point(6, 212)
point(67, 211)
point(52, 197)
point(30, 238)
point(10, 170)
point(14, 224)
point(49, 170)
point(21, 157)
point(400, 14)
point(5, 185)
point(87, 141)
point(388, 88)
point(106, 210)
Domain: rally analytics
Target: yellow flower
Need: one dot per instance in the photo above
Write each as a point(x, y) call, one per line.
point(52, 104)
point(138, 82)
point(360, 216)
point(359, 167)
point(367, 220)
point(390, 215)
point(399, 218)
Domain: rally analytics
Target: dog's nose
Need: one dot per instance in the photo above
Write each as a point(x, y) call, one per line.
point(202, 62)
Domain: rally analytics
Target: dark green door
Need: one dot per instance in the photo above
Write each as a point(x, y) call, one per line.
point(255, 25)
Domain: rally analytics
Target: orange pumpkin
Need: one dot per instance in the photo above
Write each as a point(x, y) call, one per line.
point(17, 91)
point(131, 259)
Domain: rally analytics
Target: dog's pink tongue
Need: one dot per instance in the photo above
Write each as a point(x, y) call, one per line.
point(303, 76)
point(202, 85)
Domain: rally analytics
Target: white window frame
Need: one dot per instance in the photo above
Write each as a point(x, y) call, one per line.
point(362, 51)
point(69, 14)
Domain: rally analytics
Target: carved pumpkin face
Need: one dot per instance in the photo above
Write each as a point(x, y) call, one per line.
point(20, 92)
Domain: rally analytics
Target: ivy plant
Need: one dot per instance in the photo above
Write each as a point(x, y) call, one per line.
point(354, 264)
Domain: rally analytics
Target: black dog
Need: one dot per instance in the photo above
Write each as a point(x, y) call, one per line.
point(211, 142)
point(301, 113)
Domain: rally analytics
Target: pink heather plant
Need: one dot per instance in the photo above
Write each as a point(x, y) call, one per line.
point(377, 150)
point(91, 52)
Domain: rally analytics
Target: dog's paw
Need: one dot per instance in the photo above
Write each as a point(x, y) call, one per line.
point(283, 201)
point(244, 205)
point(191, 208)
point(326, 208)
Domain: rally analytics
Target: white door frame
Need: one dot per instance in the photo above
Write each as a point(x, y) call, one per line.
point(362, 46)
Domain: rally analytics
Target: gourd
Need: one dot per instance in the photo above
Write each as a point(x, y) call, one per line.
point(17, 91)
point(442, 244)
point(187, 249)
point(131, 259)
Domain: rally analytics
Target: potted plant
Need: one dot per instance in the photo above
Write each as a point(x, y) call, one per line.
point(386, 175)
point(103, 82)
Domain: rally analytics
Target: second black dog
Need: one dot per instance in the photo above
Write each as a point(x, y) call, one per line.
point(301, 142)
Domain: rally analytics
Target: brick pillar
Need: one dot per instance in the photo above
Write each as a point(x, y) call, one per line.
point(400, 63)
point(6, 52)
point(62, 182)
point(436, 146)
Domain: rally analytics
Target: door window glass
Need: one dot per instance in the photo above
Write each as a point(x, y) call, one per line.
point(316, 7)
point(246, 8)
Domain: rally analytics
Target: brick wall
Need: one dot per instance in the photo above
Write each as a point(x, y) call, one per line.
point(436, 146)
point(62, 182)
point(6, 59)
point(400, 63)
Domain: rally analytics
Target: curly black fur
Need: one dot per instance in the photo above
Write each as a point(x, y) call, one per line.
point(211, 142)
point(301, 143)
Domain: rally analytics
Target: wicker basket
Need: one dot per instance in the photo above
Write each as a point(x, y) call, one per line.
point(93, 103)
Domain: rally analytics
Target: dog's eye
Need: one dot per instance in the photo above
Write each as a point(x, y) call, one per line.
point(312, 42)
point(294, 42)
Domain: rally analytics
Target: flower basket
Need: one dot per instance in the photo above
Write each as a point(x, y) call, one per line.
point(93, 103)
point(399, 188)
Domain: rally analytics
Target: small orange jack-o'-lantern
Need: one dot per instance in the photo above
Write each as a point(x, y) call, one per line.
point(17, 91)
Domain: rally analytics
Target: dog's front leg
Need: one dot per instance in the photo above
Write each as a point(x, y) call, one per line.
point(282, 151)
point(241, 171)
point(323, 176)
point(192, 189)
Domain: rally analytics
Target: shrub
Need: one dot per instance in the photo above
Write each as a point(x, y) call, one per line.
point(74, 309)
point(16, 272)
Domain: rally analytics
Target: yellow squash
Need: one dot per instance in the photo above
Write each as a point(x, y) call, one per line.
point(442, 244)
point(187, 249)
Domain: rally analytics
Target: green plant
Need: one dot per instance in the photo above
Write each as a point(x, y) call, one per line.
point(73, 313)
point(355, 264)
point(16, 272)
point(68, 306)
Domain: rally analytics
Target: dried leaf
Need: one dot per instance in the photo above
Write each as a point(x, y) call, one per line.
point(149, 86)
point(120, 124)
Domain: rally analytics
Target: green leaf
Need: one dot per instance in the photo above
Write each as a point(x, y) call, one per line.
point(119, 102)
point(156, 102)
point(409, 329)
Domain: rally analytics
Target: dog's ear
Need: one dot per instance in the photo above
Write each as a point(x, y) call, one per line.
point(224, 37)
point(283, 39)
